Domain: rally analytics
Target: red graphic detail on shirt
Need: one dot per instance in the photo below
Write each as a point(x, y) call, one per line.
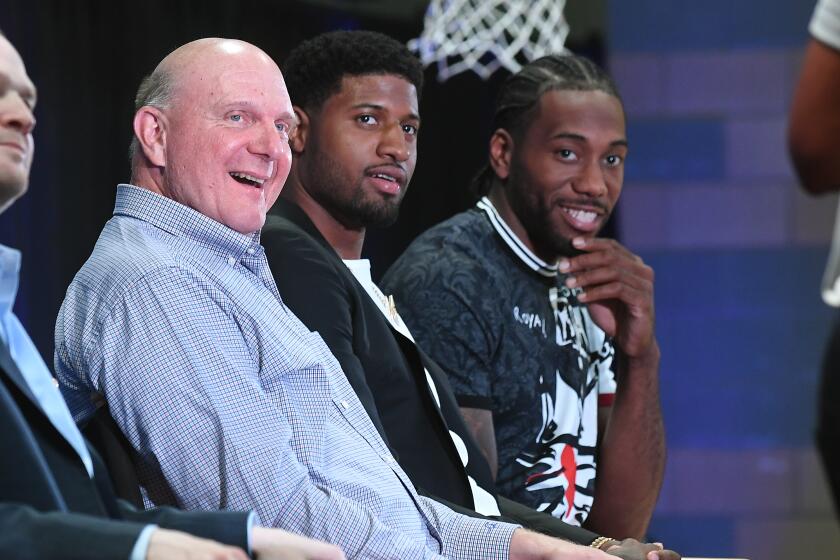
point(567, 460)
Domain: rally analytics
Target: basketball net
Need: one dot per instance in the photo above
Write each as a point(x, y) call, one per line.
point(485, 35)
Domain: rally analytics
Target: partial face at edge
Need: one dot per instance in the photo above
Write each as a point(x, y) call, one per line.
point(567, 168)
point(361, 150)
point(227, 152)
point(17, 102)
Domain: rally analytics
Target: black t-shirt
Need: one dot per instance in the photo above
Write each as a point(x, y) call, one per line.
point(515, 341)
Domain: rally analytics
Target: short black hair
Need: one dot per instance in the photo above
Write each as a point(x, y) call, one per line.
point(314, 69)
point(521, 92)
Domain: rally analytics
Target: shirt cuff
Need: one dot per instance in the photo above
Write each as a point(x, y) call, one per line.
point(252, 520)
point(825, 23)
point(141, 545)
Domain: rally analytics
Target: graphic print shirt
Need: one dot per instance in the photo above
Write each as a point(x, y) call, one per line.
point(516, 341)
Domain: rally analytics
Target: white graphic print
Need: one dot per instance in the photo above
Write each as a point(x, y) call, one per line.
point(562, 455)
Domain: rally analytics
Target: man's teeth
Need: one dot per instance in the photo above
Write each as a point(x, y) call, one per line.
point(386, 177)
point(581, 215)
point(247, 178)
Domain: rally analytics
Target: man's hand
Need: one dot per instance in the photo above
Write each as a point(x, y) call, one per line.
point(618, 290)
point(276, 544)
point(631, 549)
point(175, 545)
point(526, 545)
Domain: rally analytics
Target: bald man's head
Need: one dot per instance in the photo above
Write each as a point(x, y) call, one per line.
point(211, 131)
point(17, 101)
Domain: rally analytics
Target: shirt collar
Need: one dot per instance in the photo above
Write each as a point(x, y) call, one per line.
point(516, 245)
point(182, 221)
point(9, 278)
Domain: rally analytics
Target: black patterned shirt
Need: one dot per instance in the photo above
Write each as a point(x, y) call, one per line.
point(516, 341)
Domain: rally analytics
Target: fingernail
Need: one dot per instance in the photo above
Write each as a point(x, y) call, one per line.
point(571, 282)
point(563, 264)
point(578, 242)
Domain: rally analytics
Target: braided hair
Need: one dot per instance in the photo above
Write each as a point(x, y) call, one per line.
point(521, 92)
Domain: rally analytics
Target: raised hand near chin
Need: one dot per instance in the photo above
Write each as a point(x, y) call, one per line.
point(618, 290)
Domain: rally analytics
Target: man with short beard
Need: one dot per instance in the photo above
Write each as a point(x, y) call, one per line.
point(354, 151)
point(546, 330)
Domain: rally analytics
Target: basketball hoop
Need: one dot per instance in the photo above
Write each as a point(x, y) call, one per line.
point(485, 35)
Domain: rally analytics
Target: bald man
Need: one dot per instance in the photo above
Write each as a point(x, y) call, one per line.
point(175, 321)
point(55, 498)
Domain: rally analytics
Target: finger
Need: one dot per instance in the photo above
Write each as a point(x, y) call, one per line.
point(631, 297)
point(606, 258)
point(603, 275)
point(601, 244)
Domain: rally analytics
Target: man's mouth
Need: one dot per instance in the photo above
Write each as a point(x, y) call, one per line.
point(385, 176)
point(246, 179)
point(388, 178)
point(583, 216)
point(586, 219)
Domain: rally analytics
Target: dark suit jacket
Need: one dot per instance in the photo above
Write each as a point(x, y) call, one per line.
point(50, 507)
point(384, 368)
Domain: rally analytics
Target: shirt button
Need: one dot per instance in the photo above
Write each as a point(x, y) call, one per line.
point(251, 251)
point(231, 261)
point(345, 405)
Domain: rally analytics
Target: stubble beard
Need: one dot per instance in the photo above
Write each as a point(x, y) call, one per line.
point(535, 216)
point(357, 209)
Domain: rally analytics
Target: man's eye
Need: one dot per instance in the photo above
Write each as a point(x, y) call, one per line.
point(614, 161)
point(236, 118)
point(366, 119)
point(283, 128)
point(410, 129)
point(567, 154)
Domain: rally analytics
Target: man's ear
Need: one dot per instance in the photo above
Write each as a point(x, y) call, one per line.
point(150, 129)
point(501, 148)
point(297, 140)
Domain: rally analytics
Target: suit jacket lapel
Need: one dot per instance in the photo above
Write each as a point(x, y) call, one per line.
point(11, 370)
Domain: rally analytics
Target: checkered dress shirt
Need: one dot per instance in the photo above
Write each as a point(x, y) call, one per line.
point(228, 399)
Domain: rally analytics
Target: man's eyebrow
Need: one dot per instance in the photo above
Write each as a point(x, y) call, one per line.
point(581, 138)
point(376, 107)
point(289, 116)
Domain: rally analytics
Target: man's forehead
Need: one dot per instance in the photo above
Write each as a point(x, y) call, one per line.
point(360, 86)
point(594, 111)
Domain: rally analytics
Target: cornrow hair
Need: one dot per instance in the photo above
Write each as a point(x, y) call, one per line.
point(521, 92)
point(314, 69)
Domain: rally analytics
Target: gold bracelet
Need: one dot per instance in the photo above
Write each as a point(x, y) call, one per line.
point(599, 542)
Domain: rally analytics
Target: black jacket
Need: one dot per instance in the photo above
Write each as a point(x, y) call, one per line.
point(50, 508)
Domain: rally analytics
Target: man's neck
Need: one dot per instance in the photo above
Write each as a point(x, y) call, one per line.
point(500, 201)
point(346, 241)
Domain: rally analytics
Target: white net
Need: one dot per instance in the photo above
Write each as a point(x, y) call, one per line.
point(485, 35)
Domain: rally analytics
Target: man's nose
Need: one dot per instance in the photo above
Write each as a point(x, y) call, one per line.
point(591, 181)
point(393, 144)
point(270, 142)
point(16, 114)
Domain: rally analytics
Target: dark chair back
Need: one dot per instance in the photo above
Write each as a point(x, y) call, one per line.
point(105, 436)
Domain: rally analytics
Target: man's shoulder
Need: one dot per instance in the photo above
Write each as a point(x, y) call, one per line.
point(127, 251)
point(281, 233)
point(292, 249)
point(462, 246)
